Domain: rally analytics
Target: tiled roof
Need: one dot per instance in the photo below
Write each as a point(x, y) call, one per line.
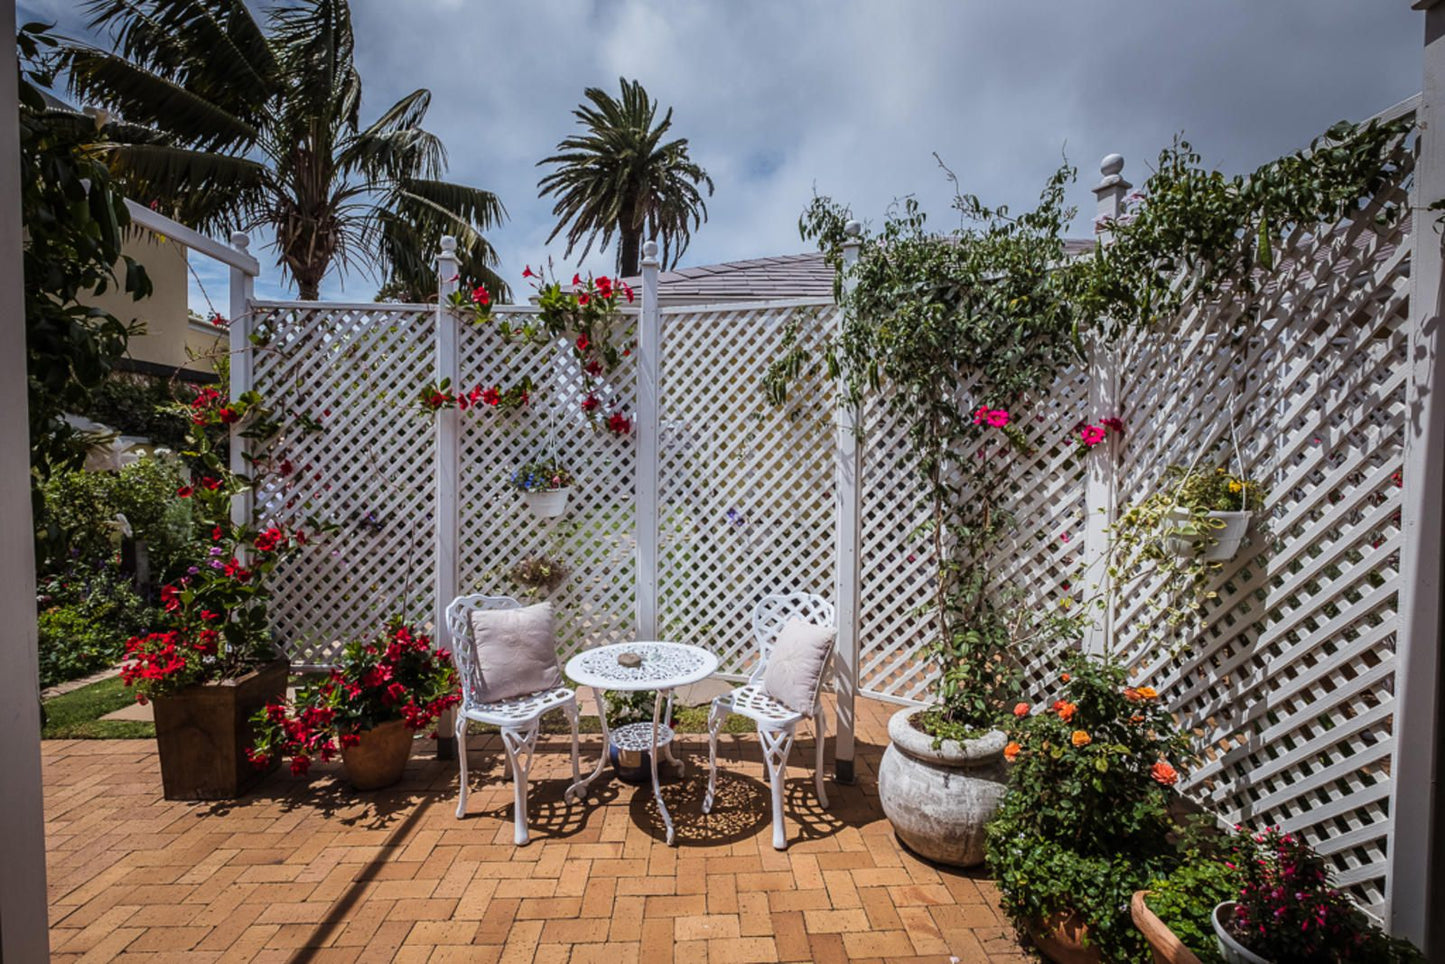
point(763, 279)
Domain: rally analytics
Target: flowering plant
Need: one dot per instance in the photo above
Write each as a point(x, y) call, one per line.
point(437, 396)
point(1287, 910)
point(478, 301)
point(213, 618)
point(1086, 820)
point(397, 675)
point(543, 475)
point(1088, 435)
point(536, 573)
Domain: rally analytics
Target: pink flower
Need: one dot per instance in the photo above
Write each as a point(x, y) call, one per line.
point(1091, 435)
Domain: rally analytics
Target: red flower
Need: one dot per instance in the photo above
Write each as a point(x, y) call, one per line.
point(286, 468)
point(527, 272)
point(1164, 774)
point(576, 279)
point(210, 483)
point(185, 491)
point(492, 396)
point(480, 295)
point(170, 598)
point(593, 367)
point(228, 415)
point(1021, 709)
point(627, 290)
point(582, 342)
point(619, 424)
point(583, 298)
point(590, 403)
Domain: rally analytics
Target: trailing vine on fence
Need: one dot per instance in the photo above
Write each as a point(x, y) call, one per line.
point(963, 331)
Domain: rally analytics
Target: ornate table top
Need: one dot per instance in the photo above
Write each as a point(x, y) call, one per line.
point(664, 666)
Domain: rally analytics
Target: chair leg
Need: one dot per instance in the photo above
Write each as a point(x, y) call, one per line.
point(571, 710)
point(820, 734)
point(777, 744)
point(461, 731)
point(521, 746)
point(715, 717)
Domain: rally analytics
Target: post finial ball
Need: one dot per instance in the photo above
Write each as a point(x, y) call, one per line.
point(1111, 164)
point(449, 244)
point(240, 239)
point(853, 229)
point(649, 249)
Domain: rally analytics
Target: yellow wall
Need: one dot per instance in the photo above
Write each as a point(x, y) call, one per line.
point(167, 331)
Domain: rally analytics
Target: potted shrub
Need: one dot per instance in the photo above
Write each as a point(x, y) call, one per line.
point(1208, 512)
point(1086, 821)
point(1175, 914)
point(1287, 912)
point(544, 485)
point(539, 574)
point(209, 664)
point(366, 710)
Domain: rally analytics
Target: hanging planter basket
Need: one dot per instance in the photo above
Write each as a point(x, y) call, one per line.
point(1226, 530)
point(547, 503)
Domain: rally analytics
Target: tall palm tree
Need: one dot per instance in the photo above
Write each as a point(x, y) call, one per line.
point(621, 177)
point(226, 124)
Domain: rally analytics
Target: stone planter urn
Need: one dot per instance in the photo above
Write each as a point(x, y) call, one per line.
point(1230, 949)
point(380, 758)
point(939, 800)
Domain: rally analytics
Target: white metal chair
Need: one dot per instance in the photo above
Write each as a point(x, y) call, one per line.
point(519, 718)
point(777, 724)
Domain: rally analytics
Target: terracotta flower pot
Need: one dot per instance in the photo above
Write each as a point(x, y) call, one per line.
point(1061, 939)
point(203, 731)
point(380, 758)
point(1167, 948)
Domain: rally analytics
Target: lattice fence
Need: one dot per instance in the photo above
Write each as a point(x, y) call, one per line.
point(746, 499)
point(1289, 690)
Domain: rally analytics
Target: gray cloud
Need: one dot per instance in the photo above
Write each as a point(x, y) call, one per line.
point(851, 97)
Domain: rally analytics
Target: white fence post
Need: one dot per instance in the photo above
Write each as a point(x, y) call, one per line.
point(448, 429)
point(1413, 898)
point(848, 470)
point(649, 431)
point(1099, 485)
point(243, 288)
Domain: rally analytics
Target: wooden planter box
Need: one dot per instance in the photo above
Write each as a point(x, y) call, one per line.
point(202, 734)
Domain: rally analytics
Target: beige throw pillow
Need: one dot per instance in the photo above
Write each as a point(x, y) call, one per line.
point(516, 652)
point(795, 668)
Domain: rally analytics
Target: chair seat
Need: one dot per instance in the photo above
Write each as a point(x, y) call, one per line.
point(749, 700)
point(519, 709)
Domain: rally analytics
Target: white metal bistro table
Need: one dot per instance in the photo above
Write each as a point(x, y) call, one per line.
point(660, 666)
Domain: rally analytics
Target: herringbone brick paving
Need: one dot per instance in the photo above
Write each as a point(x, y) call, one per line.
point(310, 870)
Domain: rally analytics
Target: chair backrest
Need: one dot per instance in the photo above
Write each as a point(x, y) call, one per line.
point(459, 624)
point(773, 612)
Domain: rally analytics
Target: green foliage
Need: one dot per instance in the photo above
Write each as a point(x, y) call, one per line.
point(225, 122)
point(142, 405)
point(82, 508)
point(75, 224)
point(543, 475)
point(621, 176)
point(1184, 899)
point(540, 573)
point(1168, 533)
point(85, 617)
point(1086, 820)
point(635, 707)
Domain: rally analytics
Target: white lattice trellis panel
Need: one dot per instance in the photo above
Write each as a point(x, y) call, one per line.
point(369, 470)
point(595, 537)
point(746, 502)
point(1289, 690)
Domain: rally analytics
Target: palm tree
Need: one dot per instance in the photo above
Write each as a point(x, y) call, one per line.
point(225, 124)
point(620, 177)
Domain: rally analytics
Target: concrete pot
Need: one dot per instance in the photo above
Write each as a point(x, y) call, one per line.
point(379, 760)
point(1230, 949)
point(939, 801)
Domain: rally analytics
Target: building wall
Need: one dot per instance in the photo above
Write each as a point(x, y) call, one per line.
point(168, 332)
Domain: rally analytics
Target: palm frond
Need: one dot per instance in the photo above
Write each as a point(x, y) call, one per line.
point(205, 190)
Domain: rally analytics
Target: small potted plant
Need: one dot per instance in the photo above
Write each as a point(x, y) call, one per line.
point(366, 710)
point(623, 709)
point(544, 485)
point(1208, 512)
point(539, 574)
point(1175, 914)
point(1288, 912)
point(1085, 822)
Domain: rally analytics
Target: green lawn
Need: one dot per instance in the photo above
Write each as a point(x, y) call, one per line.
point(77, 714)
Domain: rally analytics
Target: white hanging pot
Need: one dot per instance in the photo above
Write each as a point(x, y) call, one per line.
point(1184, 542)
point(547, 503)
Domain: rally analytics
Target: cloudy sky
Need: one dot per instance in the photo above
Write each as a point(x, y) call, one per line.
point(784, 97)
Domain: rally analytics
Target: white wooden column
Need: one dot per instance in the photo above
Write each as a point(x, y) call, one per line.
point(1099, 482)
point(243, 290)
point(23, 917)
point(649, 430)
point(848, 471)
point(448, 440)
point(1413, 899)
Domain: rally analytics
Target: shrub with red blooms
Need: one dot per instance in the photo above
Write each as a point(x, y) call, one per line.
point(397, 675)
point(1288, 912)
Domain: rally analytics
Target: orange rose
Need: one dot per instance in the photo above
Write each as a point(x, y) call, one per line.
point(1148, 692)
point(1022, 709)
point(1136, 719)
point(1163, 773)
point(1011, 752)
point(1065, 709)
point(1066, 677)
point(1131, 694)
point(1080, 738)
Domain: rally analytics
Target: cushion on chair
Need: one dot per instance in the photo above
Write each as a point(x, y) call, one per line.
point(795, 667)
point(516, 651)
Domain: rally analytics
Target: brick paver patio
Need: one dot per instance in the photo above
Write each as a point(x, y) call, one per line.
point(309, 870)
